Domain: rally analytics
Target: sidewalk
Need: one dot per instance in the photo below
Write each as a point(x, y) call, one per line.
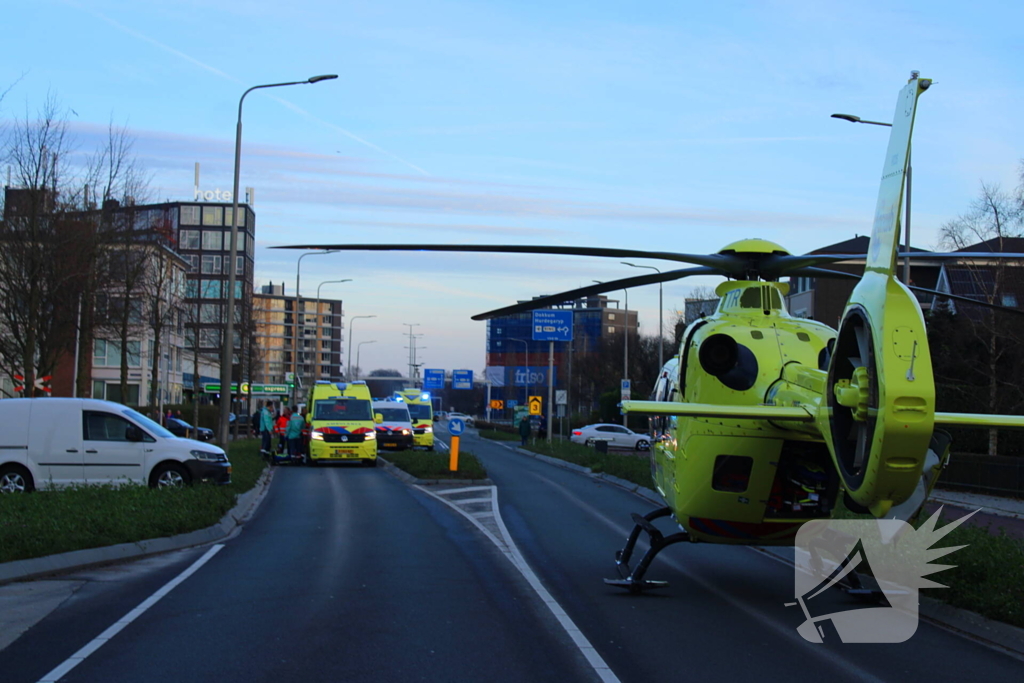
point(994, 513)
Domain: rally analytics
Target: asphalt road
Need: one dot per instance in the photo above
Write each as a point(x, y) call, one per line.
point(345, 573)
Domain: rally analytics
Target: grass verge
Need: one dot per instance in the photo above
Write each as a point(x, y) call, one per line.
point(634, 467)
point(428, 465)
point(495, 435)
point(987, 577)
point(81, 517)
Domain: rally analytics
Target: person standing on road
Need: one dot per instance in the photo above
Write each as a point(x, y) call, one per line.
point(280, 425)
point(524, 429)
point(266, 429)
point(293, 435)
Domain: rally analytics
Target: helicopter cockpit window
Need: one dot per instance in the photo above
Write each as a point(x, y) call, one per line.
point(732, 473)
point(765, 298)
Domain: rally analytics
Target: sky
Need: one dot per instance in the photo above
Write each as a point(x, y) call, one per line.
point(677, 126)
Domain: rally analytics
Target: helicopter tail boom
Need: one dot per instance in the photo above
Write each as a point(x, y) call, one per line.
point(979, 420)
point(762, 412)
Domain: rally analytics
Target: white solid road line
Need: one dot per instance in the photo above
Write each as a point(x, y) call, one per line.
point(101, 640)
point(508, 547)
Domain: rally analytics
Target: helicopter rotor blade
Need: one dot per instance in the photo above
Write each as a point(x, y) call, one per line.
point(862, 446)
point(728, 263)
point(967, 299)
point(601, 288)
point(863, 347)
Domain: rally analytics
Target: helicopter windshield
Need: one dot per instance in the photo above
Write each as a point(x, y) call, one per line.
point(764, 298)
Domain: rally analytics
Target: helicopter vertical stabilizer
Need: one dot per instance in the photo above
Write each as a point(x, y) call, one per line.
point(879, 411)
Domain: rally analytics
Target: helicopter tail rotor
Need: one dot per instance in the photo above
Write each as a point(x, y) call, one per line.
point(879, 409)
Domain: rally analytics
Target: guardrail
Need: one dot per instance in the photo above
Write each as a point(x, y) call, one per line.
point(993, 474)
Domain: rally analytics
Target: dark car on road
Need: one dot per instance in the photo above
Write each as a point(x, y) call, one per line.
point(184, 429)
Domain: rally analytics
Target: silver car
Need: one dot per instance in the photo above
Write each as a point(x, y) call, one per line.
point(616, 435)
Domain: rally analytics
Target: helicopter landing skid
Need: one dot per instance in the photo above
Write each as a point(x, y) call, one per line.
point(633, 579)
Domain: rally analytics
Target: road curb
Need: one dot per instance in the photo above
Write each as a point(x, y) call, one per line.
point(38, 567)
point(642, 491)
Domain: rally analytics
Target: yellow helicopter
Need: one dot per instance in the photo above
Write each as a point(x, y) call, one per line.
point(765, 421)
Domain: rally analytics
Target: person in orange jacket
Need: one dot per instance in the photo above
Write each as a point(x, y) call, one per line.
point(279, 427)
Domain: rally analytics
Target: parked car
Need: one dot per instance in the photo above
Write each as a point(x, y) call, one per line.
point(187, 431)
point(53, 442)
point(616, 435)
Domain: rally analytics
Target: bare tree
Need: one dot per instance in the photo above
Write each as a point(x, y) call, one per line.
point(45, 246)
point(992, 340)
point(129, 244)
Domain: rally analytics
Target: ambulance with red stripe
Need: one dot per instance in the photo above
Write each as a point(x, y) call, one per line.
point(421, 411)
point(342, 426)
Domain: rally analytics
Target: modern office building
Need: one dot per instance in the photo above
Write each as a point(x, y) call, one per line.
point(516, 363)
point(309, 344)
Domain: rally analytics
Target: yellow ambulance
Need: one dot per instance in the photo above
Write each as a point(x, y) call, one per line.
point(422, 413)
point(341, 423)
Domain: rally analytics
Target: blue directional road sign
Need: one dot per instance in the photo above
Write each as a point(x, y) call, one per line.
point(456, 426)
point(433, 379)
point(511, 403)
point(462, 379)
point(551, 325)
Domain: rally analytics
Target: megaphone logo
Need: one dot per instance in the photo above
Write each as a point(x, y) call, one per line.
point(882, 562)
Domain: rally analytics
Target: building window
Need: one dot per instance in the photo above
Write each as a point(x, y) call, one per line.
point(1010, 300)
point(192, 289)
point(211, 289)
point(209, 338)
point(189, 215)
point(611, 330)
point(193, 261)
point(227, 216)
point(107, 353)
point(611, 316)
point(211, 264)
point(189, 239)
point(239, 265)
point(99, 389)
point(210, 313)
point(213, 215)
point(114, 394)
point(213, 240)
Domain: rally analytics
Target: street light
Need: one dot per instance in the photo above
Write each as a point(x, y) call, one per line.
point(359, 347)
point(526, 354)
point(316, 363)
point(227, 346)
point(348, 375)
point(661, 338)
point(295, 321)
point(412, 353)
point(906, 233)
point(625, 335)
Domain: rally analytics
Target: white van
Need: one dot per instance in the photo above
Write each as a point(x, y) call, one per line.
point(51, 442)
point(394, 430)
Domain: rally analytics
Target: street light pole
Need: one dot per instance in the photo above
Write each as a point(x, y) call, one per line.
point(295, 316)
point(625, 334)
point(348, 375)
point(316, 363)
point(359, 347)
point(661, 308)
point(411, 347)
point(227, 345)
point(906, 228)
point(526, 355)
